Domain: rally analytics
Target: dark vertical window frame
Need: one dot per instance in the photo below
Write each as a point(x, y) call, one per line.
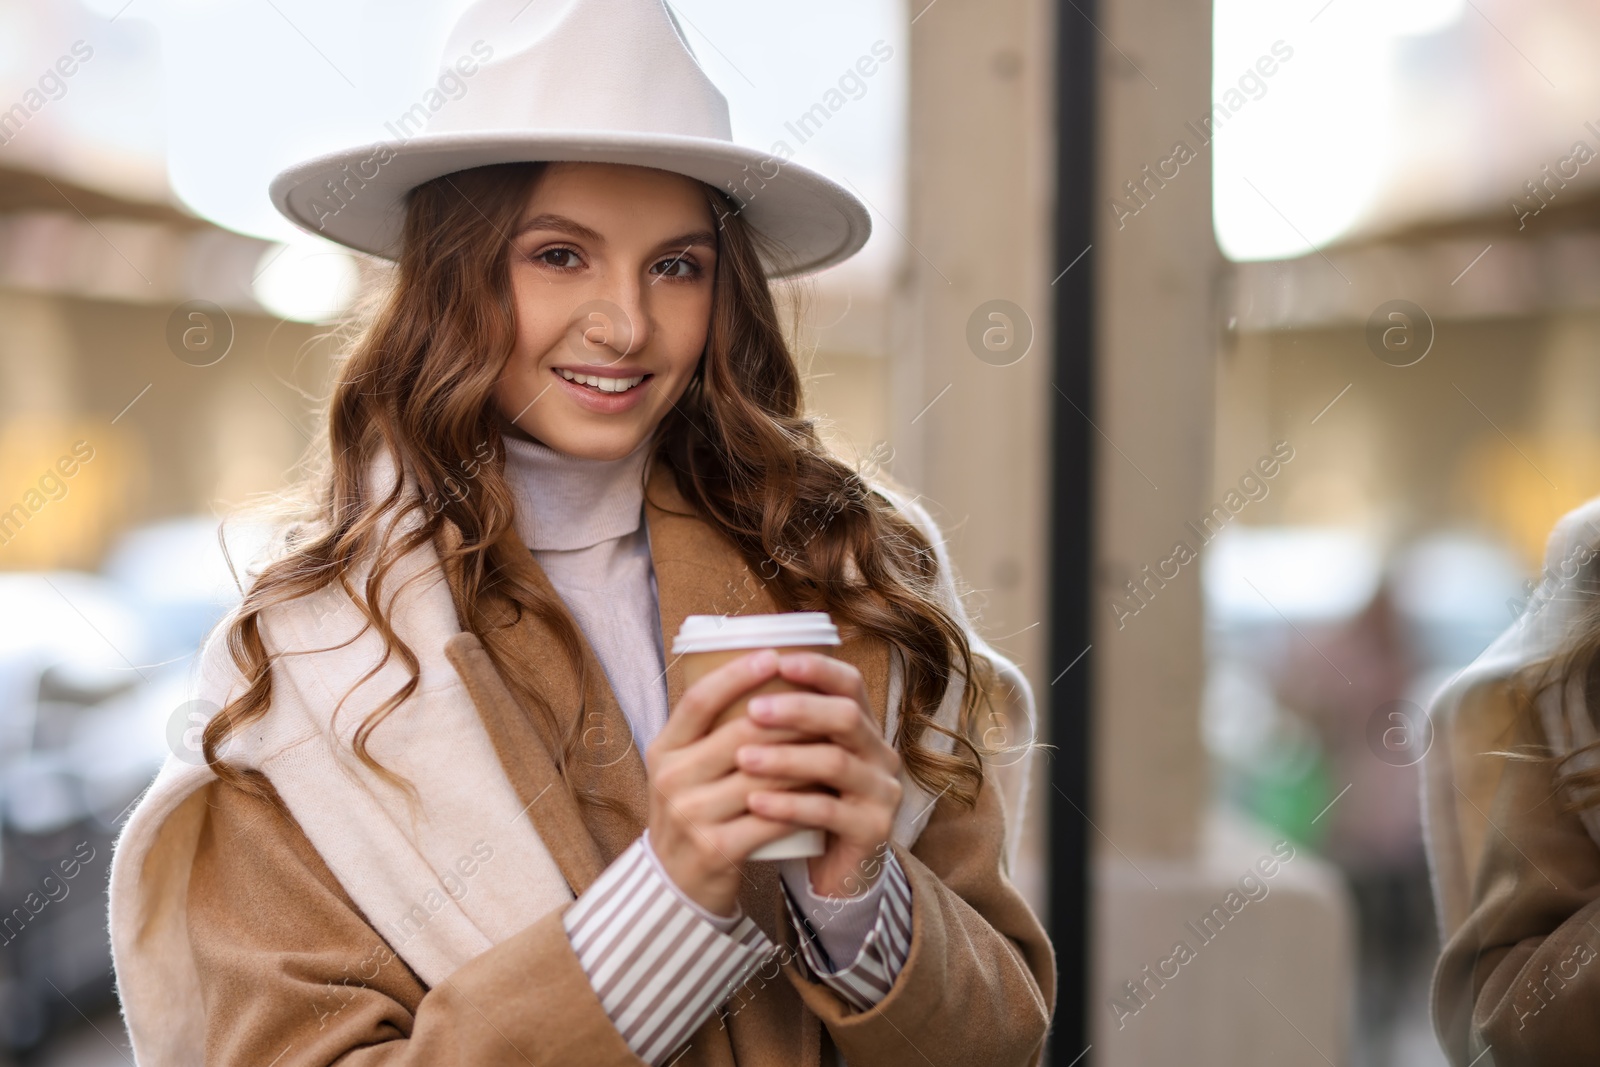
point(1071, 540)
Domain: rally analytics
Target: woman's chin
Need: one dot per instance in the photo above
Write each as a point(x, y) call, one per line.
point(599, 443)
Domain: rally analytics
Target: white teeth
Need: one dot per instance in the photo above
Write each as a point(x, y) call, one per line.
point(605, 385)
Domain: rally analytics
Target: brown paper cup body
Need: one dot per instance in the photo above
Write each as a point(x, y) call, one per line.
point(801, 844)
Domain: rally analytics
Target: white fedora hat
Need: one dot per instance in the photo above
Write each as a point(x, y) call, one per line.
point(604, 81)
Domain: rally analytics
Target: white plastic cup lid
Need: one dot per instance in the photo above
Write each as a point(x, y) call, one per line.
point(719, 633)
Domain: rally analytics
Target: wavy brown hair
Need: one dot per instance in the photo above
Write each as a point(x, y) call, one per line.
point(1573, 672)
point(418, 380)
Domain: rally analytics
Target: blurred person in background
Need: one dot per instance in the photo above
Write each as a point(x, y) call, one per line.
point(1512, 804)
point(1372, 826)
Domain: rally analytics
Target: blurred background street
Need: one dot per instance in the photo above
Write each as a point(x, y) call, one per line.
point(1379, 249)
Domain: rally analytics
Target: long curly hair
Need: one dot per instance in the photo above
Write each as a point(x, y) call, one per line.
point(418, 379)
point(1570, 672)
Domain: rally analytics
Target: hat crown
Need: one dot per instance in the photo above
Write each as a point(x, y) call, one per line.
point(583, 81)
point(597, 65)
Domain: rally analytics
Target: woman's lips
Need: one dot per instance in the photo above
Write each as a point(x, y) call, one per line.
point(600, 402)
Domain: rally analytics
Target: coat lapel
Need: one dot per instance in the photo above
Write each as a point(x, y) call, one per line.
point(526, 759)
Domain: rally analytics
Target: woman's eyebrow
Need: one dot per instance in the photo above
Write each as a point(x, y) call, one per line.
point(549, 221)
point(685, 241)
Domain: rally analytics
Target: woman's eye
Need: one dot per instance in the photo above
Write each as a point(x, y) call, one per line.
point(676, 267)
point(558, 257)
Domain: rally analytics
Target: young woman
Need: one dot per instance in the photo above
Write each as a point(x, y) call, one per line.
point(1513, 820)
point(456, 804)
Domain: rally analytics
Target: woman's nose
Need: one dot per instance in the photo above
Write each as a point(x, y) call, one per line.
point(612, 327)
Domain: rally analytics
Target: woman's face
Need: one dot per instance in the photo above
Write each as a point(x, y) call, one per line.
point(611, 271)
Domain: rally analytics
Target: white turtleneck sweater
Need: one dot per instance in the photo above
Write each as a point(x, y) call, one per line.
point(583, 520)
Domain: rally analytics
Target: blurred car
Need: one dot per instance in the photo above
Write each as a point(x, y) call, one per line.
point(93, 670)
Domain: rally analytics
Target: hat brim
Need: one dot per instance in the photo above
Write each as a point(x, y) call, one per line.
point(356, 196)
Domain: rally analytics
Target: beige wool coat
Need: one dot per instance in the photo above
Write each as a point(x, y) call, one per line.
point(291, 972)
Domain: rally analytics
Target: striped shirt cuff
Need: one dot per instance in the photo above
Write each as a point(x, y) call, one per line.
point(840, 923)
point(658, 963)
point(883, 952)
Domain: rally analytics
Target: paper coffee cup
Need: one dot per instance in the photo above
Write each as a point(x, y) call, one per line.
point(706, 642)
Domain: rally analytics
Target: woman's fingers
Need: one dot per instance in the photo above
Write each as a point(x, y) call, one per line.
point(724, 799)
point(712, 756)
point(703, 701)
point(825, 674)
point(836, 718)
point(861, 823)
point(722, 847)
point(827, 764)
point(737, 838)
point(721, 793)
point(839, 719)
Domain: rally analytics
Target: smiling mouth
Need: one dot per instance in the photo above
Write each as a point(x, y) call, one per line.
point(600, 384)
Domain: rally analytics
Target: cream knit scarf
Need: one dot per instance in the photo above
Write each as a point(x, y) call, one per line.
point(361, 826)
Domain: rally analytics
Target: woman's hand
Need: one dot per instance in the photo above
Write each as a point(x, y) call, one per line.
point(700, 828)
point(852, 758)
